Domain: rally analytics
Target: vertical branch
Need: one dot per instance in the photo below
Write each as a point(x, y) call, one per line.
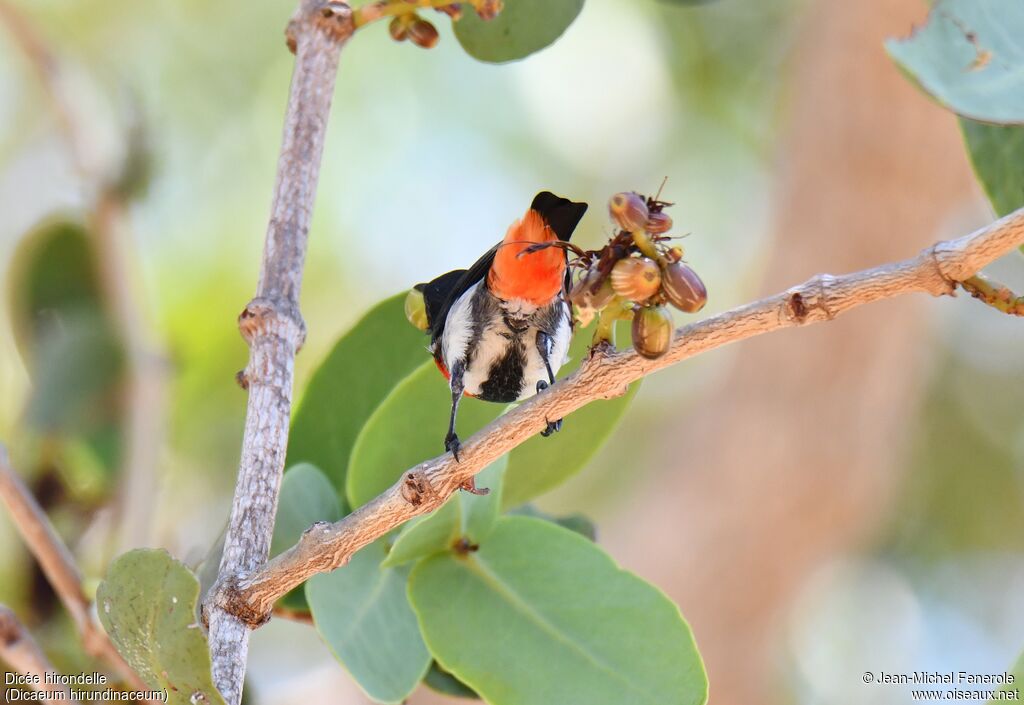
point(22, 653)
point(272, 325)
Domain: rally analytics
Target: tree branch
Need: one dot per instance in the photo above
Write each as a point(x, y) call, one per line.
point(272, 325)
point(604, 375)
point(22, 653)
point(59, 568)
point(994, 294)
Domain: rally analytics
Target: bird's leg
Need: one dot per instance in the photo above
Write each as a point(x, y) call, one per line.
point(451, 441)
point(544, 348)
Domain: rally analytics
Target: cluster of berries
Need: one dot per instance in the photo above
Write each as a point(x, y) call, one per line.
point(409, 25)
point(635, 275)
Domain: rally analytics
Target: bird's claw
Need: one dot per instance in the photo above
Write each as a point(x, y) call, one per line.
point(452, 444)
point(553, 426)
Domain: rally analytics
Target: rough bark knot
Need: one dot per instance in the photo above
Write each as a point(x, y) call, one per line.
point(416, 488)
point(266, 317)
point(227, 597)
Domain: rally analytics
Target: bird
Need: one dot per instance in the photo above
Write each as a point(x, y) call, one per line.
point(500, 330)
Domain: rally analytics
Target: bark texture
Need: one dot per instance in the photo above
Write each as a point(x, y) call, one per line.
point(272, 325)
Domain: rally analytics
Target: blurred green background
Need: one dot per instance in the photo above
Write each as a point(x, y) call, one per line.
point(830, 502)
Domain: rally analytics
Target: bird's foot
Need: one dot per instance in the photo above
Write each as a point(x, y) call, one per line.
point(452, 444)
point(553, 426)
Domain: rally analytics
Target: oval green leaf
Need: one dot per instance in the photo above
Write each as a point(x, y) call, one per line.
point(997, 153)
point(572, 626)
point(441, 681)
point(465, 515)
point(542, 464)
point(364, 366)
point(362, 612)
point(66, 337)
point(307, 497)
point(147, 604)
point(407, 428)
point(520, 29)
point(969, 57)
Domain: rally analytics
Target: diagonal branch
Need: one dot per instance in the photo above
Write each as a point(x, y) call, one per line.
point(272, 325)
point(604, 375)
point(59, 567)
point(22, 653)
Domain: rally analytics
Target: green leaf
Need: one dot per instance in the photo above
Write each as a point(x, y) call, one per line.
point(541, 615)
point(520, 29)
point(66, 337)
point(362, 612)
point(307, 497)
point(441, 681)
point(1018, 673)
point(364, 366)
point(997, 153)
point(465, 515)
point(407, 428)
point(147, 604)
point(579, 523)
point(542, 463)
point(969, 57)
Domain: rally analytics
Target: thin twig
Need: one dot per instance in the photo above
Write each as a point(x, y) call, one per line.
point(607, 374)
point(59, 568)
point(998, 296)
point(373, 11)
point(22, 653)
point(272, 325)
point(145, 368)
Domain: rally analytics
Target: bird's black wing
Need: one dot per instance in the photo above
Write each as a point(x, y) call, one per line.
point(440, 294)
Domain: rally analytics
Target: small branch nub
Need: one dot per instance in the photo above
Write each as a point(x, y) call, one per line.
point(265, 317)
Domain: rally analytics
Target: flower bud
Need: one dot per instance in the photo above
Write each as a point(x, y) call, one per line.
point(416, 309)
point(489, 9)
point(636, 278)
point(658, 223)
point(628, 210)
point(683, 287)
point(674, 254)
point(652, 331)
point(423, 34)
point(398, 29)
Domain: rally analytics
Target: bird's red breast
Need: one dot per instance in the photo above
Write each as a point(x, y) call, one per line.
point(535, 277)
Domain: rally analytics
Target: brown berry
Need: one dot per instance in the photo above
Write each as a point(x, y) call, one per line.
point(423, 34)
point(683, 287)
point(658, 223)
point(416, 309)
point(628, 210)
point(398, 29)
point(652, 331)
point(636, 278)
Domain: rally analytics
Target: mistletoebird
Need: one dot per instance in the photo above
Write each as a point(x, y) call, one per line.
point(500, 330)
